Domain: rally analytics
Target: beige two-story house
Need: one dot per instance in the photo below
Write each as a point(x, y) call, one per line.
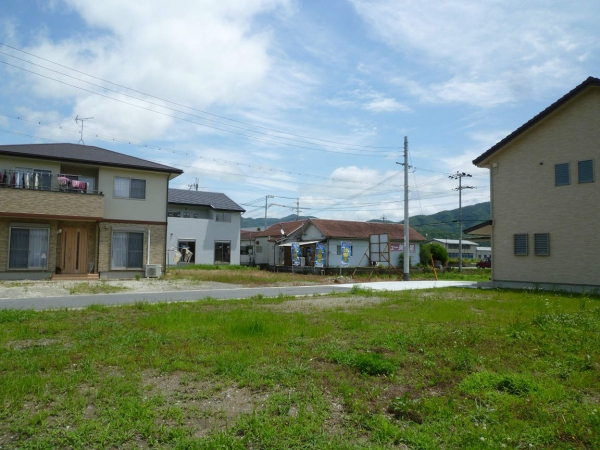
point(545, 195)
point(78, 210)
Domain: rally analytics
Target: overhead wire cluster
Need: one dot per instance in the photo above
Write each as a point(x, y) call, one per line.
point(198, 117)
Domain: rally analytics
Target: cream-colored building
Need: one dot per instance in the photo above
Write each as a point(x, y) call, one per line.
point(545, 196)
point(80, 211)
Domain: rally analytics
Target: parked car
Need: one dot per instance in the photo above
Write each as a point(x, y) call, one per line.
point(485, 264)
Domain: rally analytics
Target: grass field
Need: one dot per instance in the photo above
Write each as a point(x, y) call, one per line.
point(251, 276)
point(453, 368)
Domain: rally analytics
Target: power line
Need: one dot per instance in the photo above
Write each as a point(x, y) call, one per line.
point(177, 104)
point(166, 149)
point(187, 120)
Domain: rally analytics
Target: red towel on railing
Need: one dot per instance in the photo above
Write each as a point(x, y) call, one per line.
point(75, 184)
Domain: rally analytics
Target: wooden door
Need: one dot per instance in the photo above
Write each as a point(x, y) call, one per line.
point(75, 250)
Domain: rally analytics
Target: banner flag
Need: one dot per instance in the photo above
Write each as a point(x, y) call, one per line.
point(295, 254)
point(346, 252)
point(320, 256)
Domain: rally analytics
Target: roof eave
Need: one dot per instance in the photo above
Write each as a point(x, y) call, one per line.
point(481, 161)
point(170, 170)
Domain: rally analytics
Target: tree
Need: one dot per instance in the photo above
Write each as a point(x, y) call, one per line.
point(437, 251)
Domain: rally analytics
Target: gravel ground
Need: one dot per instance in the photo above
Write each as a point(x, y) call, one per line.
point(40, 289)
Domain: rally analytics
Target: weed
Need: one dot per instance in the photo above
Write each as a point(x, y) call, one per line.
point(424, 369)
point(100, 287)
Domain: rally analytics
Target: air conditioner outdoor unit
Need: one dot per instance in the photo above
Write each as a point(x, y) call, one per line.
point(153, 270)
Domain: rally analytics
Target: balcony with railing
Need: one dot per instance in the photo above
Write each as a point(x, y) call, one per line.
point(41, 193)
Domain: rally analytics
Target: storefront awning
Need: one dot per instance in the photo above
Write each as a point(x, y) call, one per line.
point(289, 244)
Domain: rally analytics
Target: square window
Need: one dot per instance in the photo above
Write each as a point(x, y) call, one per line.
point(338, 250)
point(138, 189)
point(129, 188)
point(585, 171)
point(561, 174)
point(127, 250)
point(28, 248)
point(520, 244)
point(541, 244)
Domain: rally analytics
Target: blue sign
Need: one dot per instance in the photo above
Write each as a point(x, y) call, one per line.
point(320, 255)
point(295, 254)
point(346, 252)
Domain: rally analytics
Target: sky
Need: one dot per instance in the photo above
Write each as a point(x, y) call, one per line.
point(307, 101)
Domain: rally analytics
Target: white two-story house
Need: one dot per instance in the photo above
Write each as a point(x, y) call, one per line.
point(203, 228)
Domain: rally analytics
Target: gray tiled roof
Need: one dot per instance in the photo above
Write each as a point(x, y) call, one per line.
point(84, 154)
point(215, 200)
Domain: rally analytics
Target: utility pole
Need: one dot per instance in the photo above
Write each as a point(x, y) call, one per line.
point(267, 197)
point(298, 208)
point(406, 218)
point(459, 176)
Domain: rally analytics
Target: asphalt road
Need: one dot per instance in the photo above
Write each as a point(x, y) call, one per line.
point(82, 301)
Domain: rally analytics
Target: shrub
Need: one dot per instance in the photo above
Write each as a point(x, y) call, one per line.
point(437, 251)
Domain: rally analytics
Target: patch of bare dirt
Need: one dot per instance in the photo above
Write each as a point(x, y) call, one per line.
point(204, 406)
point(319, 303)
point(29, 343)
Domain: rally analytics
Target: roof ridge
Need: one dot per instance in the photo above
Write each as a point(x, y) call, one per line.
point(588, 82)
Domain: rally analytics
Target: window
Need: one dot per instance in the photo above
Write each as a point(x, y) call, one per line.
point(222, 217)
point(174, 214)
point(127, 250)
point(585, 171)
point(520, 244)
point(468, 255)
point(28, 248)
point(339, 250)
point(452, 246)
point(186, 214)
point(187, 249)
point(259, 249)
point(222, 252)
point(246, 250)
point(130, 188)
point(541, 244)
point(452, 255)
point(561, 174)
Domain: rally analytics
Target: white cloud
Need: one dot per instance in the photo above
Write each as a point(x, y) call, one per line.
point(199, 53)
point(486, 53)
point(385, 105)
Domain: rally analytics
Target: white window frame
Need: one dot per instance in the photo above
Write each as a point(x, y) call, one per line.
point(128, 187)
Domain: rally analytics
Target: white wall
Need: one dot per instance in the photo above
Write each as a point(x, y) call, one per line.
point(205, 232)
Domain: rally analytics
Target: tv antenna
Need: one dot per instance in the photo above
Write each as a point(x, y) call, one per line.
point(81, 119)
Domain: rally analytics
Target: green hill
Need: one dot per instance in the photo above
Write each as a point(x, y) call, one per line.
point(442, 225)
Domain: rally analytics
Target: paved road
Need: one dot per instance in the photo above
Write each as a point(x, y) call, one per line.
point(81, 301)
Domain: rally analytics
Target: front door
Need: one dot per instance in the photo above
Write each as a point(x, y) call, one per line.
point(75, 250)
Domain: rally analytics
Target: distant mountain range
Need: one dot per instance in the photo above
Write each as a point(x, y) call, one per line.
point(442, 225)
